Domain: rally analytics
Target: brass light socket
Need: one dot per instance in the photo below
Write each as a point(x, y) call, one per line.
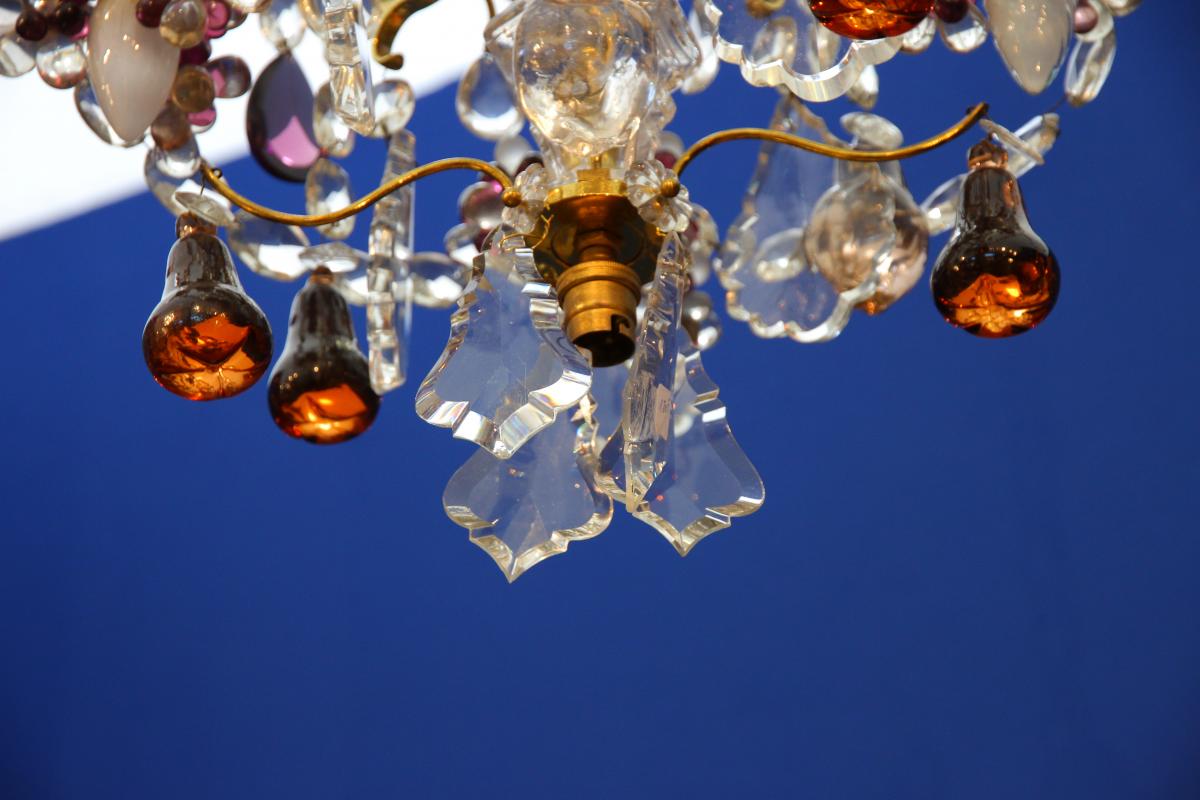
point(599, 300)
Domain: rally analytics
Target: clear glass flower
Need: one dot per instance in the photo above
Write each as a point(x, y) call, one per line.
point(644, 182)
point(534, 184)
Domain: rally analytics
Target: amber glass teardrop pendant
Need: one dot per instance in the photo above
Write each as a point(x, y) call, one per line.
point(995, 277)
point(206, 339)
point(320, 390)
point(870, 19)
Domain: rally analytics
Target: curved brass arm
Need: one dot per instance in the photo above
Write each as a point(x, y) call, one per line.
point(846, 154)
point(393, 15)
point(214, 177)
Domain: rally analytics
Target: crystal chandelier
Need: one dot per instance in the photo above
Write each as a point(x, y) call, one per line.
point(579, 320)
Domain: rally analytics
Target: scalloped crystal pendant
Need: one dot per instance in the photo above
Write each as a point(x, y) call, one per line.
point(870, 19)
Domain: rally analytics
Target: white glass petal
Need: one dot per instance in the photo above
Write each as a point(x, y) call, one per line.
point(131, 67)
point(508, 369)
point(1032, 37)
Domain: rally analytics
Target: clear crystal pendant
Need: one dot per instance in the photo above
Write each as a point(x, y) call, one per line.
point(349, 74)
point(707, 478)
point(508, 369)
point(327, 189)
point(533, 505)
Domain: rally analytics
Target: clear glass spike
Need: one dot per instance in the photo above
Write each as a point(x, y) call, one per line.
point(508, 369)
point(389, 275)
point(646, 399)
point(708, 479)
point(349, 71)
point(533, 505)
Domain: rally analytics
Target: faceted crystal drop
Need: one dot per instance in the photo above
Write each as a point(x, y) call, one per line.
point(332, 134)
point(1088, 68)
point(995, 278)
point(1032, 37)
point(327, 189)
point(320, 389)
point(437, 280)
point(230, 76)
point(206, 339)
point(508, 369)
point(394, 106)
point(870, 19)
point(131, 67)
point(707, 478)
point(282, 24)
point(17, 56)
point(61, 62)
point(485, 102)
point(525, 509)
point(89, 108)
point(346, 48)
point(268, 248)
point(279, 120)
point(184, 23)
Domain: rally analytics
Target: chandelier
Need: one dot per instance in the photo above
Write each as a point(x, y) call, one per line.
point(576, 275)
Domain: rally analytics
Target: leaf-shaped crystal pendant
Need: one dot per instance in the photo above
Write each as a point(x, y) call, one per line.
point(389, 285)
point(485, 102)
point(530, 507)
point(769, 282)
point(646, 400)
point(349, 74)
point(508, 369)
point(707, 479)
point(768, 41)
point(1032, 37)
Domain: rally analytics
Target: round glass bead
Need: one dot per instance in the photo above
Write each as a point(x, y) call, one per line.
point(1086, 17)
point(184, 23)
point(193, 90)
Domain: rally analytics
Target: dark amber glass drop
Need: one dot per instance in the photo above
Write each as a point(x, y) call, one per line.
point(206, 339)
point(870, 19)
point(995, 277)
point(320, 390)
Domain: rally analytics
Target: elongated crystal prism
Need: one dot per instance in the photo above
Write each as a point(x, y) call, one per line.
point(349, 74)
point(533, 505)
point(389, 283)
point(508, 369)
point(707, 479)
point(646, 399)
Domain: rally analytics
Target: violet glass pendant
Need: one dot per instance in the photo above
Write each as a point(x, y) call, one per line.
point(279, 120)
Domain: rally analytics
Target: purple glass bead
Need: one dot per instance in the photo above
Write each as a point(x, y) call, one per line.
point(1086, 17)
point(31, 26)
point(196, 56)
point(950, 11)
point(279, 120)
point(203, 119)
point(149, 12)
point(218, 19)
point(70, 17)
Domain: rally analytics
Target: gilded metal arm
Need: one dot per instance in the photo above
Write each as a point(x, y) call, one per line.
point(846, 154)
point(213, 176)
point(392, 17)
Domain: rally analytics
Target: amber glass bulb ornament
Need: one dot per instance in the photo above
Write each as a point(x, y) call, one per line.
point(206, 339)
point(870, 19)
point(320, 390)
point(995, 277)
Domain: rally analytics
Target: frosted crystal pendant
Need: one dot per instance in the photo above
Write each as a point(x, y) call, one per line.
point(508, 369)
point(327, 189)
point(532, 506)
point(389, 285)
point(131, 67)
point(769, 282)
point(268, 248)
point(349, 74)
point(89, 108)
point(485, 101)
point(1088, 68)
point(646, 400)
point(1032, 37)
point(707, 479)
point(61, 62)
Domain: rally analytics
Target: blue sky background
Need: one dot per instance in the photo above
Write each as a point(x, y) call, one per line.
point(974, 575)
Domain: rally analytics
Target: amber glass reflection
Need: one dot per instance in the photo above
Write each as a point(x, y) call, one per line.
point(206, 339)
point(995, 278)
point(870, 19)
point(320, 390)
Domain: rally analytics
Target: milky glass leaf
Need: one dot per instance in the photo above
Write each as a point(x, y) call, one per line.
point(532, 506)
point(707, 480)
point(757, 43)
point(646, 399)
point(1088, 67)
point(389, 285)
point(769, 282)
point(1037, 136)
point(508, 369)
point(268, 248)
point(346, 50)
